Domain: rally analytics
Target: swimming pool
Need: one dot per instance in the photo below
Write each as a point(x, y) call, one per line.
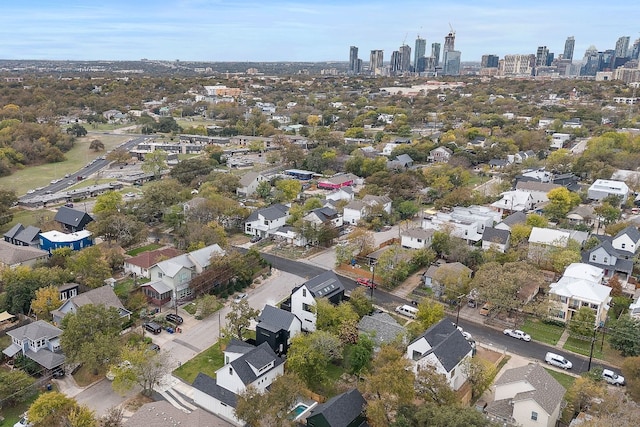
point(297, 411)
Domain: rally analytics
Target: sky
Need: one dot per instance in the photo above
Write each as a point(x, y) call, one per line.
point(294, 30)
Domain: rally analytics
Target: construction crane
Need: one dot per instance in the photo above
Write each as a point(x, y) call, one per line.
point(451, 28)
point(404, 41)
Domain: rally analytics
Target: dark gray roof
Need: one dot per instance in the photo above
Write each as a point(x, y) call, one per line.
point(324, 285)
point(208, 385)
point(405, 159)
point(382, 327)
point(447, 343)
point(257, 358)
point(622, 264)
point(325, 214)
point(495, 235)
point(275, 319)
point(548, 392)
point(35, 331)
point(237, 346)
point(28, 235)
point(515, 218)
point(273, 212)
point(45, 357)
point(71, 217)
point(498, 162)
point(340, 410)
point(13, 232)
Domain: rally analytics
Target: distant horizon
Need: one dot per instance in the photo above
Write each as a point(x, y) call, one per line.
point(296, 31)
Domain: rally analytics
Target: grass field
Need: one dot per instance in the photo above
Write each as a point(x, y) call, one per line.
point(207, 362)
point(583, 347)
point(564, 379)
point(38, 176)
point(543, 332)
point(149, 247)
point(12, 414)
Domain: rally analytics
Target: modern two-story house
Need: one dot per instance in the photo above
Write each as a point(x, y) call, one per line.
point(103, 295)
point(277, 327)
point(326, 285)
point(264, 222)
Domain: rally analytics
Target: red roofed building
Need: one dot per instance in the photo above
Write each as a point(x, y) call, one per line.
point(337, 181)
point(140, 264)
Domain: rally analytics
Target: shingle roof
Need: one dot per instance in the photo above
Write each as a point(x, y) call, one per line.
point(404, 159)
point(447, 343)
point(275, 319)
point(12, 254)
point(495, 235)
point(382, 326)
point(71, 217)
point(164, 414)
point(273, 212)
point(257, 358)
point(103, 295)
point(237, 346)
point(548, 392)
point(208, 385)
point(325, 285)
point(35, 331)
point(419, 233)
point(46, 357)
point(515, 218)
point(28, 235)
point(630, 231)
point(248, 178)
point(341, 410)
point(536, 186)
point(149, 258)
point(13, 231)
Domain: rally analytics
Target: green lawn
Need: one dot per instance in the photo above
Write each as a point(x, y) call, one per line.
point(543, 332)
point(38, 176)
point(149, 247)
point(207, 362)
point(583, 347)
point(12, 414)
point(564, 379)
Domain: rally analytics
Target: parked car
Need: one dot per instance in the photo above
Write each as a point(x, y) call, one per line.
point(486, 309)
point(557, 360)
point(153, 327)
point(612, 378)
point(517, 333)
point(255, 239)
point(174, 318)
point(239, 298)
point(366, 282)
point(23, 422)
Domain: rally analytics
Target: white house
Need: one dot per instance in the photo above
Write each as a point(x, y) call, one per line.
point(538, 190)
point(355, 210)
point(602, 188)
point(527, 396)
point(626, 242)
point(495, 238)
point(343, 193)
point(245, 365)
point(558, 140)
point(467, 223)
point(416, 238)
point(140, 264)
point(514, 201)
point(326, 285)
point(266, 221)
point(580, 286)
point(440, 155)
point(388, 148)
point(541, 240)
point(249, 183)
point(444, 347)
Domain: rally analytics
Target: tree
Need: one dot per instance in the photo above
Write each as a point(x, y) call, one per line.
point(407, 209)
point(360, 354)
point(269, 409)
point(360, 302)
point(625, 336)
point(582, 324)
point(47, 299)
point(119, 155)
point(434, 415)
point(77, 130)
point(608, 213)
point(90, 335)
point(90, 267)
point(120, 228)
point(15, 386)
point(432, 386)
point(479, 375)
point(188, 170)
point(441, 243)
point(54, 409)
point(21, 283)
point(107, 203)
point(331, 317)
point(113, 418)
point(535, 220)
point(615, 285)
point(239, 318)
point(582, 392)
point(309, 355)
point(263, 189)
point(561, 201)
point(429, 313)
point(146, 368)
point(7, 199)
point(292, 154)
point(388, 387)
point(362, 241)
point(454, 281)
point(631, 373)
point(288, 189)
point(96, 145)
point(155, 162)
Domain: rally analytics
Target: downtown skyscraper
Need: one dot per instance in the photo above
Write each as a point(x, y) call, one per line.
point(355, 64)
point(418, 55)
point(435, 53)
point(569, 46)
point(376, 59)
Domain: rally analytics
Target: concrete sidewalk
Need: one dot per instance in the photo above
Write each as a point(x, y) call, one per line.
point(68, 385)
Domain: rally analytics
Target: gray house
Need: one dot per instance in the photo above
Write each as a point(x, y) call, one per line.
point(39, 341)
point(277, 327)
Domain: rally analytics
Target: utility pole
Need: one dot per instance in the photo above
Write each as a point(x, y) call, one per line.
point(459, 305)
point(373, 279)
point(593, 340)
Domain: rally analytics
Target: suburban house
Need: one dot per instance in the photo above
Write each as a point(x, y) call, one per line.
point(77, 240)
point(605, 256)
point(68, 290)
point(582, 214)
point(403, 161)
point(495, 238)
point(580, 286)
point(337, 181)
point(103, 295)
point(442, 269)
point(514, 201)
point(440, 155)
point(264, 222)
point(521, 156)
point(416, 238)
point(277, 327)
point(467, 223)
point(382, 328)
point(603, 188)
point(72, 219)
point(343, 410)
point(326, 285)
point(511, 220)
point(164, 414)
point(527, 396)
point(39, 341)
point(139, 265)
point(355, 210)
point(444, 347)
point(343, 193)
point(20, 235)
point(541, 240)
point(249, 184)
point(171, 277)
point(558, 140)
point(388, 148)
point(538, 190)
point(245, 365)
point(626, 242)
point(323, 216)
point(13, 256)
point(289, 235)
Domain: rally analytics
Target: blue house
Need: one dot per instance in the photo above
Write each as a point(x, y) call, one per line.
point(51, 240)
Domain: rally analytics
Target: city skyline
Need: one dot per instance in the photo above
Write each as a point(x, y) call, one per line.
point(218, 30)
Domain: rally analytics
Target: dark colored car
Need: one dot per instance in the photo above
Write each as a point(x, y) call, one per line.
point(174, 318)
point(255, 239)
point(154, 347)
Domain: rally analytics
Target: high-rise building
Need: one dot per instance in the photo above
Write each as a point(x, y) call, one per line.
point(489, 61)
point(569, 45)
point(541, 56)
point(405, 58)
point(635, 50)
point(449, 42)
point(395, 62)
point(518, 65)
point(353, 60)
point(622, 46)
point(550, 58)
point(376, 66)
point(435, 52)
point(420, 51)
point(451, 63)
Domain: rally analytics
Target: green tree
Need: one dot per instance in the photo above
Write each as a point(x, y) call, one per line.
point(360, 354)
point(96, 145)
point(90, 335)
point(107, 203)
point(561, 201)
point(54, 409)
point(263, 189)
point(90, 267)
point(77, 130)
point(361, 304)
point(288, 189)
point(145, 369)
point(15, 386)
point(631, 373)
point(120, 228)
point(21, 283)
point(582, 323)
point(479, 375)
point(155, 162)
point(7, 199)
point(625, 336)
point(239, 318)
point(309, 356)
point(608, 213)
point(434, 415)
point(535, 220)
point(47, 299)
point(407, 209)
point(429, 313)
point(330, 318)
point(432, 386)
point(188, 170)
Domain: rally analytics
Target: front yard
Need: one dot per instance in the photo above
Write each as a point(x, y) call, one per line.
point(207, 362)
point(544, 332)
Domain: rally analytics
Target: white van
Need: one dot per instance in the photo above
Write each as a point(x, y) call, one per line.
point(407, 310)
point(557, 360)
point(612, 378)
